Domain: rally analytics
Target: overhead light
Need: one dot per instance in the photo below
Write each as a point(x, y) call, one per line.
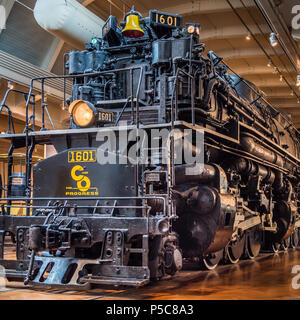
point(269, 64)
point(292, 93)
point(275, 70)
point(281, 78)
point(298, 101)
point(10, 85)
point(273, 39)
point(298, 80)
point(248, 36)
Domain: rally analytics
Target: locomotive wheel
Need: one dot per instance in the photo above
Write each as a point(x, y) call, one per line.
point(211, 261)
point(285, 244)
point(275, 247)
point(295, 239)
point(254, 243)
point(234, 250)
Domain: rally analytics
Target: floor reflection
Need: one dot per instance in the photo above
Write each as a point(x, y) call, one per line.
point(267, 277)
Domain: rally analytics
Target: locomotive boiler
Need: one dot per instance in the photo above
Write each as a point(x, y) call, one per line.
point(170, 157)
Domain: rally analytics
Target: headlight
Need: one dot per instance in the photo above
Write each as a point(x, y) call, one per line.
point(163, 226)
point(83, 113)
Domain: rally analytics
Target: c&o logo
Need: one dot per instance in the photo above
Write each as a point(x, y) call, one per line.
point(83, 182)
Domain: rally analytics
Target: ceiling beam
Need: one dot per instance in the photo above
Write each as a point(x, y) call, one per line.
point(283, 101)
point(21, 72)
point(288, 99)
point(285, 96)
point(284, 36)
point(289, 110)
point(229, 32)
point(242, 53)
point(269, 82)
point(258, 70)
point(187, 8)
point(287, 107)
point(294, 113)
point(87, 2)
point(284, 91)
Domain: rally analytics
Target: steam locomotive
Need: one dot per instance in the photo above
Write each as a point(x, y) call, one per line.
point(93, 217)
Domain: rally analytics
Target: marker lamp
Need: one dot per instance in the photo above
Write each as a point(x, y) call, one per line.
point(191, 29)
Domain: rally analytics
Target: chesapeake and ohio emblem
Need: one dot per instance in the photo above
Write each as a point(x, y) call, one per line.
point(80, 175)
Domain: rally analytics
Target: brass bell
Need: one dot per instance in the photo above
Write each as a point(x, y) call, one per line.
point(132, 27)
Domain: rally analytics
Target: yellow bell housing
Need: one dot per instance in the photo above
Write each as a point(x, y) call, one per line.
point(132, 27)
point(83, 113)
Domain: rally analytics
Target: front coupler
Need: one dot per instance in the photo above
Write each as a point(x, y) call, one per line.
point(74, 252)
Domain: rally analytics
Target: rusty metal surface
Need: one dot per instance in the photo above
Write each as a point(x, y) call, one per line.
point(267, 277)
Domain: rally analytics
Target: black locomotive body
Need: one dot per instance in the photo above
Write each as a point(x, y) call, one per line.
point(95, 218)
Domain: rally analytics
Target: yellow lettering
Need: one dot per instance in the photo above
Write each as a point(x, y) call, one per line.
point(82, 156)
point(170, 20)
point(85, 156)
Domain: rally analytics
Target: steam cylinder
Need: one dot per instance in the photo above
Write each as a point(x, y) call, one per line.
point(68, 20)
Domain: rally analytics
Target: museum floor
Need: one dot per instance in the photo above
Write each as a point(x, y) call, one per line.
point(268, 277)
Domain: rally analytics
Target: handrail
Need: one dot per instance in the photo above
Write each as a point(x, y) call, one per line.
point(44, 108)
point(69, 205)
point(10, 118)
point(123, 109)
point(75, 76)
point(260, 97)
point(174, 91)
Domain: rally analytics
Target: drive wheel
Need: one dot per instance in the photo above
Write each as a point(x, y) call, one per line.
point(275, 247)
point(212, 260)
point(295, 239)
point(254, 243)
point(234, 250)
point(285, 244)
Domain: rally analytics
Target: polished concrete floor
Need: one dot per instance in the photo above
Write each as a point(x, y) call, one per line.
point(268, 277)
